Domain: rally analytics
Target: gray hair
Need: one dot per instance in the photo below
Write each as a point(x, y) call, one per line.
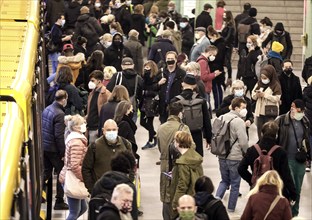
point(120, 189)
point(72, 121)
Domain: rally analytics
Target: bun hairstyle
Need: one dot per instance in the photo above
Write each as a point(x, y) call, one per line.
point(72, 121)
point(212, 31)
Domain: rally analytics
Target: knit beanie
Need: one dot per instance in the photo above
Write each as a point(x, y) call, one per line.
point(253, 12)
point(277, 47)
point(84, 10)
point(189, 79)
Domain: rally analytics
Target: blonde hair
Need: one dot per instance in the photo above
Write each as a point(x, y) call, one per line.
point(254, 39)
point(72, 121)
point(270, 177)
point(193, 67)
point(106, 37)
point(237, 83)
point(109, 71)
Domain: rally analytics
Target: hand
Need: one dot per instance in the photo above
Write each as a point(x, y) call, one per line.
point(217, 72)
point(247, 123)
point(208, 146)
point(162, 81)
point(228, 82)
point(260, 94)
point(67, 38)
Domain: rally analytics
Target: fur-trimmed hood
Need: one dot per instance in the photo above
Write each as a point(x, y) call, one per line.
point(79, 57)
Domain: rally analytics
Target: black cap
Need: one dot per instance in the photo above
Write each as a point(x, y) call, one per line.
point(207, 6)
point(189, 79)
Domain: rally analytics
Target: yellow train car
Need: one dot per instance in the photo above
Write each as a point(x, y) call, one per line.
point(21, 95)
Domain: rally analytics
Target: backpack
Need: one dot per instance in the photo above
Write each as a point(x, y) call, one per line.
point(263, 60)
point(263, 163)
point(193, 112)
point(97, 202)
point(221, 138)
point(243, 31)
point(206, 210)
point(50, 95)
point(133, 98)
point(89, 32)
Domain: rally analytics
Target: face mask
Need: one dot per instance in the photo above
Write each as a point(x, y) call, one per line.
point(128, 3)
point(97, 4)
point(298, 116)
point(111, 136)
point(117, 43)
point(187, 215)
point(197, 36)
point(83, 128)
point(288, 71)
point(91, 85)
point(170, 62)
point(182, 25)
point(170, 9)
point(112, 31)
point(108, 43)
point(118, 5)
point(238, 92)
point(147, 72)
point(243, 113)
point(265, 81)
point(63, 23)
point(248, 45)
point(109, 11)
point(125, 209)
point(212, 58)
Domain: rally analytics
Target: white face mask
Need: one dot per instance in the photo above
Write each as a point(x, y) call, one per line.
point(298, 116)
point(111, 136)
point(197, 36)
point(238, 92)
point(243, 113)
point(265, 81)
point(118, 4)
point(63, 22)
point(248, 45)
point(170, 9)
point(83, 128)
point(212, 40)
point(128, 3)
point(91, 85)
point(97, 4)
point(108, 43)
point(212, 58)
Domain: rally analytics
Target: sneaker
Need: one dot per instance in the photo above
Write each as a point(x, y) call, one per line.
point(147, 146)
point(308, 169)
point(61, 206)
point(140, 213)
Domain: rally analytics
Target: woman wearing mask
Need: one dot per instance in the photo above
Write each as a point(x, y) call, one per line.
point(266, 27)
point(105, 42)
point(151, 78)
point(98, 9)
point(76, 148)
point(238, 90)
point(267, 94)
point(248, 74)
point(217, 64)
point(228, 33)
point(267, 191)
point(126, 127)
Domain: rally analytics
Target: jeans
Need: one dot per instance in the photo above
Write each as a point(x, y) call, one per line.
point(230, 177)
point(54, 61)
point(76, 208)
point(53, 160)
point(297, 171)
point(217, 94)
point(147, 123)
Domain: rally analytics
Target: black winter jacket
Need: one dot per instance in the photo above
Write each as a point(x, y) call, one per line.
point(159, 49)
point(56, 37)
point(107, 112)
point(54, 8)
point(204, 19)
point(187, 39)
point(74, 99)
point(249, 71)
point(280, 164)
point(123, 16)
point(109, 211)
point(224, 107)
point(291, 90)
point(307, 98)
point(228, 34)
point(53, 128)
point(108, 182)
point(138, 23)
point(71, 14)
point(216, 211)
point(217, 64)
point(307, 69)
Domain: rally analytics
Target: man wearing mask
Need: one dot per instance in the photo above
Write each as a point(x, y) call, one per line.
point(172, 12)
point(96, 99)
point(187, 209)
point(290, 85)
point(53, 129)
point(201, 43)
point(99, 155)
point(293, 136)
point(170, 84)
point(239, 142)
point(120, 205)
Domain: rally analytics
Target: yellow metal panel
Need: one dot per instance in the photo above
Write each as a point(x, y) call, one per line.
point(12, 136)
point(18, 54)
point(20, 10)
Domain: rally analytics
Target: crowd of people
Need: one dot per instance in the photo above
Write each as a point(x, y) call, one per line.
point(116, 61)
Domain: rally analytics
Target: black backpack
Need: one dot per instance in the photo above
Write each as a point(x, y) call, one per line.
point(50, 94)
point(193, 112)
point(97, 202)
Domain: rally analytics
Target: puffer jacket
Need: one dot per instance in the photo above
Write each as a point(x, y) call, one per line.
point(53, 128)
point(76, 149)
point(74, 62)
point(186, 171)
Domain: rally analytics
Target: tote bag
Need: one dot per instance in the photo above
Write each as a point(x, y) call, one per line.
point(74, 187)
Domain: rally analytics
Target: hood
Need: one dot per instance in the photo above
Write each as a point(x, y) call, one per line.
point(279, 26)
point(202, 198)
point(273, 54)
point(190, 158)
point(136, 17)
point(112, 178)
point(164, 40)
point(132, 38)
point(73, 5)
point(129, 73)
point(75, 135)
point(79, 57)
point(83, 17)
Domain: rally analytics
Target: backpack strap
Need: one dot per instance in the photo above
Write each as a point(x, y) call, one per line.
point(118, 78)
point(273, 204)
point(273, 149)
point(229, 124)
point(210, 204)
point(258, 148)
point(180, 97)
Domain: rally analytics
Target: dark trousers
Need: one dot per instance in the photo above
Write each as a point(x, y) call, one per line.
point(163, 116)
point(54, 160)
point(198, 140)
point(250, 84)
point(147, 123)
point(228, 60)
point(217, 94)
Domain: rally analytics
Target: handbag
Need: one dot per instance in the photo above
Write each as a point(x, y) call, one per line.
point(151, 106)
point(301, 155)
point(74, 187)
point(51, 47)
point(271, 110)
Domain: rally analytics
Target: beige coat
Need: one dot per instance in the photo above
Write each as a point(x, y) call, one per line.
point(74, 62)
point(268, 99)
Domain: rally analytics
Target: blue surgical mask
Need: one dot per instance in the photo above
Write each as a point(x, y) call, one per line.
point(238, 92)
point(111, 136)
point(183, 25)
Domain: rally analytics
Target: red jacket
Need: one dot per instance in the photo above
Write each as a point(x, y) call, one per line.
point(259, 204)
point(205, 75)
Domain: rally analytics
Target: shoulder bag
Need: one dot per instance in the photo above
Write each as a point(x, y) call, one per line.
point(273, 204)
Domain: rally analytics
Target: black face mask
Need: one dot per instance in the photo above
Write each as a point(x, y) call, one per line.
point(170, 62)
point(288, 71)
point(147, 73)
point(279, 33)
point(117, 43)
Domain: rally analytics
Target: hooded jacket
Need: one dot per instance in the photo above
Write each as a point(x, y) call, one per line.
point(276, 60)
point(71, 14)
point(76, 148)
point(186, 171)
point(74, 62)
point(307, 98)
